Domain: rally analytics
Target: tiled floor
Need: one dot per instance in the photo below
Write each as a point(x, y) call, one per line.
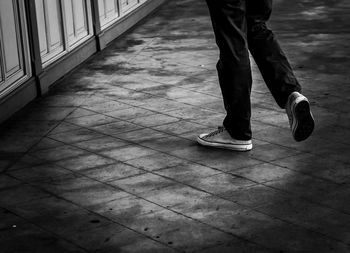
point(107, 161)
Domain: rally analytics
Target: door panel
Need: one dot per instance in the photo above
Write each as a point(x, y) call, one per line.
point(108, 11)
point(101, 9)
point(53, 21)
point(49, 18)
point(40, 15)
point(9, 37)
point(14, 52)
point(80, 18)
point(110, 7)
point(127, 5)
point(68, 13)
point(76, 20)
point(62, 25)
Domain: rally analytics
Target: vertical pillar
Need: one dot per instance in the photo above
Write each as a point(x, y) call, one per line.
point(96, 23)
point(34, 43)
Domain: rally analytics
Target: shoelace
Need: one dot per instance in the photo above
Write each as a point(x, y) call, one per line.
point(220, 130)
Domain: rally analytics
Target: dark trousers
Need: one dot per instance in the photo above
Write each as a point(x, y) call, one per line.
point(239, 26)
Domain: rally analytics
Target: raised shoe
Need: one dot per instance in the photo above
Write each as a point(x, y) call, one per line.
point(300, 117)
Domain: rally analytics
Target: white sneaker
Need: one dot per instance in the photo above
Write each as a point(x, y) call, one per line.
point(300, 117)
point(222, 139)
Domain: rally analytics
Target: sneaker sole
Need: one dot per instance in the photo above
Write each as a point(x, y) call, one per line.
point(235, 147)
point(303, 122)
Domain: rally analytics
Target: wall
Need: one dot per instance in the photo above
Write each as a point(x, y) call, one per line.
point(42, 40)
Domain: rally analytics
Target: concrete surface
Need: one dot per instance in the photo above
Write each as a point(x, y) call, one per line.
point(107, 161)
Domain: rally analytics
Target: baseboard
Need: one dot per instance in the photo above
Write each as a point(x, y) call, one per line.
point(65, 64)
point(18, 99)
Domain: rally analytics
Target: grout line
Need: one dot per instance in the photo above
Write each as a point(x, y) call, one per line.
point(195, 162)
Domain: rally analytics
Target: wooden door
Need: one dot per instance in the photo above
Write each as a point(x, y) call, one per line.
point(62, 25)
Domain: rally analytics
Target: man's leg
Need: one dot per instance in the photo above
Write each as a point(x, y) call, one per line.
point(229, 24)
point(268, 55)
point(276, 70)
